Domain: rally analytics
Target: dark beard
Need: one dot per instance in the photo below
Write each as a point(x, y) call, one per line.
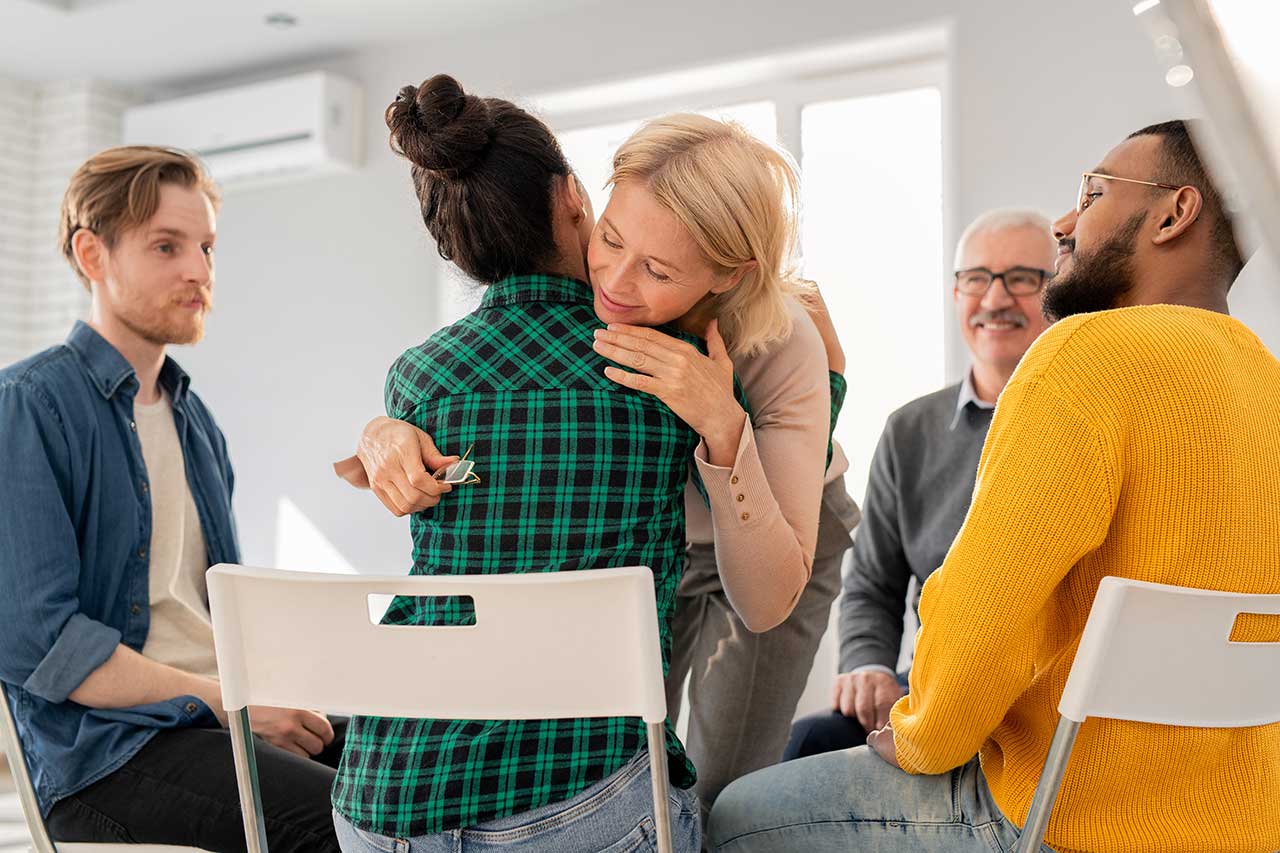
point(1098, 279)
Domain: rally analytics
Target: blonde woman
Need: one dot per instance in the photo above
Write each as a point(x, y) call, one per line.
point(699, 232)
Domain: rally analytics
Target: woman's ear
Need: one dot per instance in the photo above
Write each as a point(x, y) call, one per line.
point(574, 193)
point(735, 277)
point(1180, 213)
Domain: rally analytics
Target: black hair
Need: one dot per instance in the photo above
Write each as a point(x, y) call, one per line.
point(484, 171)
point(1180, 164)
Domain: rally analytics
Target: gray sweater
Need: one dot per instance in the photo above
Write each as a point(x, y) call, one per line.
point(921, 483)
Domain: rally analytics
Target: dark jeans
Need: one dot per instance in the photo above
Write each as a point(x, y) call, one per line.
point(828, 731)
point(181, 789)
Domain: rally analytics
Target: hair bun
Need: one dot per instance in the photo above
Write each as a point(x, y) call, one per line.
point(439, 127)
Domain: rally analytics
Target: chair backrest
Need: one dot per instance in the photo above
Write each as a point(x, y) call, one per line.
point(545, 645)
point(1154, 653)
point(21, 776)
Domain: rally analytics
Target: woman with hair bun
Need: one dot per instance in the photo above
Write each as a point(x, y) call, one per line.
point(570, 472)
point(699, 233)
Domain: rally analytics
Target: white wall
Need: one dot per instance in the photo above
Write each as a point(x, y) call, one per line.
point(322, 283)
point(46, 131)
point(17, 155)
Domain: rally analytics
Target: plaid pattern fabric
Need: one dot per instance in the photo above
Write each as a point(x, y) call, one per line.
point(576, 472)
point(839, 387)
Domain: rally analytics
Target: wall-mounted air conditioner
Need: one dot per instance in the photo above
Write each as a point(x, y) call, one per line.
point(296, 126)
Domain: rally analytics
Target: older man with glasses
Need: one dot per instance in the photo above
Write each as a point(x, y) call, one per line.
point(923, 471)
point(1138, 438)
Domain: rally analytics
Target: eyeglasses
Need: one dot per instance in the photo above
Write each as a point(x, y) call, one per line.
point(460, 472)
point(1085, 198)
point(1018, 281)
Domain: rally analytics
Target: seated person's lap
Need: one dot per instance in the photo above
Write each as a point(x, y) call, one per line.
point(181, 789)
point(828, 802)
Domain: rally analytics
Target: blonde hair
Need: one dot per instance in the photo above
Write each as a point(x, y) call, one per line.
point(738, 197)
point(119, 189)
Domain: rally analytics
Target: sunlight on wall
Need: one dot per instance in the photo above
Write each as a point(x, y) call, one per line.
point(301, 547)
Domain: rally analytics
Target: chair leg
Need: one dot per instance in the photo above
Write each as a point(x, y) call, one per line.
point(255, 831)
point(1055, 767)
point(658, 771)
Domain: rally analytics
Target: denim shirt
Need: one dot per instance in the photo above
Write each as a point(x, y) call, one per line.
point(75, 530)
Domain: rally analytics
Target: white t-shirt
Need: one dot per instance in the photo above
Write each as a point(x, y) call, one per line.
point(181, 633)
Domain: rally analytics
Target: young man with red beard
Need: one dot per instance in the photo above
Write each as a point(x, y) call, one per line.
point(115, 487)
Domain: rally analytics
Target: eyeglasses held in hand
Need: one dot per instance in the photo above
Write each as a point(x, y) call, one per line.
point(460, 472)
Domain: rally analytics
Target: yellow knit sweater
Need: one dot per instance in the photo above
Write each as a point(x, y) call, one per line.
point(1143, 443)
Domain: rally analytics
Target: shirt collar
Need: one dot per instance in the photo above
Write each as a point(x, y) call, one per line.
point(518, 289)
point(110, 371)
point(968, 395)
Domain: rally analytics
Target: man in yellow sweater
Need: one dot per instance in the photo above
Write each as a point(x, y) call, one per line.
point(1139, 437)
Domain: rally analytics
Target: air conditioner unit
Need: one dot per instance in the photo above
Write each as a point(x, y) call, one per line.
point(297, 126)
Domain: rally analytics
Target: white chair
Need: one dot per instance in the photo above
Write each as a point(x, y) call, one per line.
point(1140, 642)
point(544, 646)
point(40, 841)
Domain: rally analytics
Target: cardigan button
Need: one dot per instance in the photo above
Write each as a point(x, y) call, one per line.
point(135, 609)
point(745, 516)
point(734, 479)
point(191, 707)
point(741, 498)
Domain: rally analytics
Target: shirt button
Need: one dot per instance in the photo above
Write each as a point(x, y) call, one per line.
point(146, 487)
point(745, 516)
point(191, 707)
point(133, 426)
point(741, 498)
point(142, 552)
point(734, 479)
point(135, 609)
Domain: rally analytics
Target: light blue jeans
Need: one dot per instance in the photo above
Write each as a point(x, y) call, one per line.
point(613, 816)
point(853, 801)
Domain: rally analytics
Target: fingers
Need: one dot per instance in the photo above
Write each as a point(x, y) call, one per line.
point(882, 744)
point(848, 696)
point(645, 334)
point(887, 695)
point(319, 725)
point(637, 381)
point(865, 704)
point(642, 354)
point(432, 459)
point(352, 470)
point(393, 505)
point(290, 746)
point(715, 344)
point(310, 743)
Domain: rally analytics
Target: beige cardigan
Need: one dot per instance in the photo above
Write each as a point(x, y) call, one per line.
point(764, 510)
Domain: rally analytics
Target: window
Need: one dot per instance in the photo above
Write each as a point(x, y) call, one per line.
point(872, 239)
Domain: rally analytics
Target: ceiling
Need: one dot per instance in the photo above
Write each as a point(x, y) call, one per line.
point(141, 42)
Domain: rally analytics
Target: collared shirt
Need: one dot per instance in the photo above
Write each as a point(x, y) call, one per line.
point(74, 549)
point(922, 479)
point(969, 397)
point(576, 472)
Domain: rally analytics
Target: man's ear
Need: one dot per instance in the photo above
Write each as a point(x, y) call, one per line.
point(1178, 214)
point(735, 277)
point(90, 254)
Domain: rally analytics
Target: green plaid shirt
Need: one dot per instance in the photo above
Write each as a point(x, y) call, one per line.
point(576, 473)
